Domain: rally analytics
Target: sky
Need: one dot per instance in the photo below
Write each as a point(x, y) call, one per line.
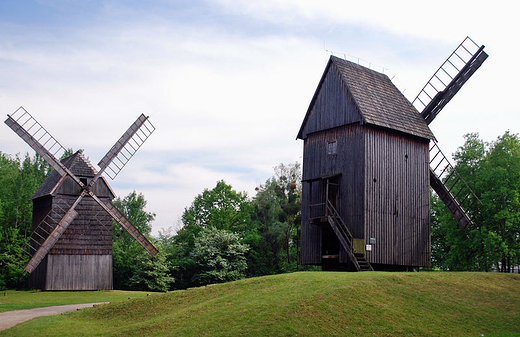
point(227, 83)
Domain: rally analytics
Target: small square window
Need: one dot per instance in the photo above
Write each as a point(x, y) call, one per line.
point(332, 147)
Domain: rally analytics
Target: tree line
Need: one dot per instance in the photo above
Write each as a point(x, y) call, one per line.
point(226, 235)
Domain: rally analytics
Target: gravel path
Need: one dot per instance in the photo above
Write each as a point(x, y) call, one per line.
point(9, 319)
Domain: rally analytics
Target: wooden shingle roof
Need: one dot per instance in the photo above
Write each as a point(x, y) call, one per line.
point(77, 164)
point(375, 98)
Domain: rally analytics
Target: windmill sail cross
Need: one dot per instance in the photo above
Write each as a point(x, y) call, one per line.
point(38, 138)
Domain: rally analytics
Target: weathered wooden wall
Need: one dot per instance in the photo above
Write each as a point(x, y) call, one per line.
point(348, 163)
point(397, 198)
point(383, 194)
point(332, 106)
point(79, 272)
point(41, 207)
point(86, 244)
point(90, 232)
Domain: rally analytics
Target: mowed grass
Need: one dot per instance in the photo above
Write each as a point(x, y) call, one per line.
point(17, 300)
point(309, 304)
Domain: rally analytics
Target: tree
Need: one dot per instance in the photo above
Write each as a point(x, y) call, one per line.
point(501, 198)
point(19, 179)
point(493, 172)
point(220, 208)
point(277, 207)
point(219, 256)
point(134, 269)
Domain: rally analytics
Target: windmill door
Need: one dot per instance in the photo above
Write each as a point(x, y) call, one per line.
point(323, 192)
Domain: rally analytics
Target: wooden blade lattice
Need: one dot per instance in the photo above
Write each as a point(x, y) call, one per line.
point(450, 187)
point(37, 137)
point(56, 233)
point(115, 159)
point(449, 78)
point(120, 219)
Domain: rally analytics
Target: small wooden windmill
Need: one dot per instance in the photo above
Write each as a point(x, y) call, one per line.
point(368, 166)
point(71, 241)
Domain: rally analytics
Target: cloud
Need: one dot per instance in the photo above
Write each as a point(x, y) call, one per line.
point(227, 83)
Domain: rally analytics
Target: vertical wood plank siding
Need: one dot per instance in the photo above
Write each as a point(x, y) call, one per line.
point(348, 162)
point(397, 199)
point(333, 105)
point(74, 272)
point(383, 195)
point(81, 259)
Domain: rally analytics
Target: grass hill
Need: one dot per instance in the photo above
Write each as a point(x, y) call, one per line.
point(309, 304)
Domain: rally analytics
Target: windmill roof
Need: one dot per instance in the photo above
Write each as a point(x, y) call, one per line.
point(77, 164)
point(378, 100)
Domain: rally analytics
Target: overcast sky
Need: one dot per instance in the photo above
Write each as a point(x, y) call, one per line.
point(227, 83)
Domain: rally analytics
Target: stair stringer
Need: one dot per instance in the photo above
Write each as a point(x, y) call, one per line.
point(345, 238)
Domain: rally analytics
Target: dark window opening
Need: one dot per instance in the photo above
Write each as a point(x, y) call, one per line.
point(332, 147)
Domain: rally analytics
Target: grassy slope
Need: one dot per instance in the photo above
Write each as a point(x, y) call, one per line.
point(309, 304)
point(16, 300)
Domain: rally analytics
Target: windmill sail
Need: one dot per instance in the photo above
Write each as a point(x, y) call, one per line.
point(56, 233)
point(440, 89)
point(37, 137)
point(450, 187)
point(449, 78)
point(120, 219)
point(126, 146)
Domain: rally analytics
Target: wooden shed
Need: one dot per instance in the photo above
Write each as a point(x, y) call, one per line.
point(366, 194)
point(81, 259)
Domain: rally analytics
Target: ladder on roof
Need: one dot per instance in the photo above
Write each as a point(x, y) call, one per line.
point(449, 78)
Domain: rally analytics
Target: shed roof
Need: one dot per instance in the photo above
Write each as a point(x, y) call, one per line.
point(377, 99)
point(78, 165)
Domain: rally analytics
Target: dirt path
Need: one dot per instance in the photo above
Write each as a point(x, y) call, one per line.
point(9, 319)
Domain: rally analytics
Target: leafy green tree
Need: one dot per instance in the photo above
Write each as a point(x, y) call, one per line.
point(501, 198)
point(277, 207)
point(19, 179)
point(493, 172)
point(152, 273)
point(134, 269)
point(219, 256)
point(221, 208)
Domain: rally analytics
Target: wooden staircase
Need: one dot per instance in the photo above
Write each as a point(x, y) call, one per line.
point(345, 238)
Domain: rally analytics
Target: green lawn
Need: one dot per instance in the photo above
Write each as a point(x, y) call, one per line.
point(309, 304)
point(16, 300)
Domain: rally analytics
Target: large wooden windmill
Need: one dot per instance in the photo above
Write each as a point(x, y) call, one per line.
point(71, 241)
point(368, 166)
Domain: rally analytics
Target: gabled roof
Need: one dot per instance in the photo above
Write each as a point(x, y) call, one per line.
point(372, 97)
point(78, 165)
